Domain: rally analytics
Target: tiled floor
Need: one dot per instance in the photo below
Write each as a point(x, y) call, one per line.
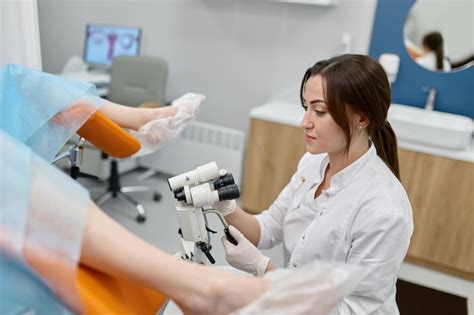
point(161, 226)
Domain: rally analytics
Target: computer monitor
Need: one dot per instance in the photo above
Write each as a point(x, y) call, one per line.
point(104, 42)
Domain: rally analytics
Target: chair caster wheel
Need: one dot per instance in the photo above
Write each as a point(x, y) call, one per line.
point(156, 197)
point(141, 218)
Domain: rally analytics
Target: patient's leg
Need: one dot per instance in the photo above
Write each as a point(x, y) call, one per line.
point(132, 117)
point(180, 112)
point(124, 116)
point(109, 247)
point(135, 117)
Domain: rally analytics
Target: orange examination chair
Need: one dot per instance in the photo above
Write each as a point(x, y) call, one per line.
point(101, 293)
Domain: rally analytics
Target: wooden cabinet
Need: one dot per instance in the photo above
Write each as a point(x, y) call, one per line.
point(273, 152)
point(441, 192)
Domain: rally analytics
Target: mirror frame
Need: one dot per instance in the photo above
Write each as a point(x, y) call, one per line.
point(417, 5)
point(454, 88)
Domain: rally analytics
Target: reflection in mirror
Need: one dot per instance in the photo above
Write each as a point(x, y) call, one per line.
point(438, 34)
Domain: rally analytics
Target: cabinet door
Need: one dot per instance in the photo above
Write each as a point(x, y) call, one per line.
point(273, 152)
point(441, 192)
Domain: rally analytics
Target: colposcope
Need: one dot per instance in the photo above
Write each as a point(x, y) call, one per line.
point(195, 193)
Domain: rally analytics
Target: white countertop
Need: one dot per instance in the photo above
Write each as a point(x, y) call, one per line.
point(291, 114)
point(279, 112)
point(466, 155)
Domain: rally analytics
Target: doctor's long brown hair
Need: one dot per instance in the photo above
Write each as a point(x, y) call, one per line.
point(434, 42)
point(360, 82)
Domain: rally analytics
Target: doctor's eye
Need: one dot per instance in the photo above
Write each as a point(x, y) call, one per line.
point(319, 113)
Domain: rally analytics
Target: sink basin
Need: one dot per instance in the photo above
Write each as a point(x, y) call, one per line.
point(434, 128)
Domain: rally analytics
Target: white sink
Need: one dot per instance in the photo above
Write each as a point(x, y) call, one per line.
point(439, 129)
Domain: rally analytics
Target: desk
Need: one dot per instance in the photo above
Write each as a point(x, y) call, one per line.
point(99, 78)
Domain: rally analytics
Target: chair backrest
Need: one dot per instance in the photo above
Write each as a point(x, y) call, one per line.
point(136, 80)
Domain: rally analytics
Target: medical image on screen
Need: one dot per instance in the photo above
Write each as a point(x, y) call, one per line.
point(104, 43)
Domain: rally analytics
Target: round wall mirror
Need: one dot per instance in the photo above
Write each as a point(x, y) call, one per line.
point(439, 34)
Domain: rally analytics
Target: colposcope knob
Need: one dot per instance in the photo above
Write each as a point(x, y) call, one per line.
point(180, 195)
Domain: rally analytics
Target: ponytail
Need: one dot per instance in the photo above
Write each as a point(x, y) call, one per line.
point(439, 58)
point(434, 42)
point(385, 142)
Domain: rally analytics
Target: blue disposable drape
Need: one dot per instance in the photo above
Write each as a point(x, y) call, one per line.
point(42, 211)
point(43, 110)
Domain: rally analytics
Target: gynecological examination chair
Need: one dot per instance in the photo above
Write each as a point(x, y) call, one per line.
point(112, 140)
point(101, 293)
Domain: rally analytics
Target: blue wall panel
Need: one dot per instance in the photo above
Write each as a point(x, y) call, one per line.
point(455, 89)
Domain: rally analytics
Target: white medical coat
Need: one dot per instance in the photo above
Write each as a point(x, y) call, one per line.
point(364, 217)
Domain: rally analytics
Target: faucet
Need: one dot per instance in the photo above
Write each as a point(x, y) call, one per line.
point(430, 100)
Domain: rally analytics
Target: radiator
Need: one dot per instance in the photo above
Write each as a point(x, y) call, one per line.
point(198, 144)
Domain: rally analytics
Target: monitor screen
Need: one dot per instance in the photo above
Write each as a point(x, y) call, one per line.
point(104, 42)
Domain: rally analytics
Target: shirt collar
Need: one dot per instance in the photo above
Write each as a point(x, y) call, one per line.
point(351, 172)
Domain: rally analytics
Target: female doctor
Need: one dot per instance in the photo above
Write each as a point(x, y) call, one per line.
point(345, 202)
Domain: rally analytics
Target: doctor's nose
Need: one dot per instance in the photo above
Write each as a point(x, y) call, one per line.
point(306, 123)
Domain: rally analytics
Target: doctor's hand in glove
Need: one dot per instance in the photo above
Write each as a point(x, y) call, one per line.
point(225, 207)
point(245, 256)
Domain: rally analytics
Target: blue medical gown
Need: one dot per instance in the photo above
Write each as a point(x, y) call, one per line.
point(42, 209)
point(29, 102)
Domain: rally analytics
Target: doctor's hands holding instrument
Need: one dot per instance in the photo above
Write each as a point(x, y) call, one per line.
point(244, 256)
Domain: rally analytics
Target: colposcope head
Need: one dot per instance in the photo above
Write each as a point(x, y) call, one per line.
point(201, 174)
point(224, 186)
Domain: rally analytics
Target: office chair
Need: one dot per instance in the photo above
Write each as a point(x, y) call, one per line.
point(134, 81)
point(107, 136)
point(137, 80)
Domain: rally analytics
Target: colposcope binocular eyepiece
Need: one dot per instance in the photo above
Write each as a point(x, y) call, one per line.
point(226, 188)
point(229, 192)
point(223, 181)
point(222, 188)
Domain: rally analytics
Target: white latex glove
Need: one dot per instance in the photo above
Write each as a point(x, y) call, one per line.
point(188, 104)
point(157, 132)
point(312, 289)
point(225, 207)
point(244, 256)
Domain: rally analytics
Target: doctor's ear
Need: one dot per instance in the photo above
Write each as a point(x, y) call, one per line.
point(361, 121)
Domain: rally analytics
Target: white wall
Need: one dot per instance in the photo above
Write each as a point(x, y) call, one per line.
point(238, 53)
